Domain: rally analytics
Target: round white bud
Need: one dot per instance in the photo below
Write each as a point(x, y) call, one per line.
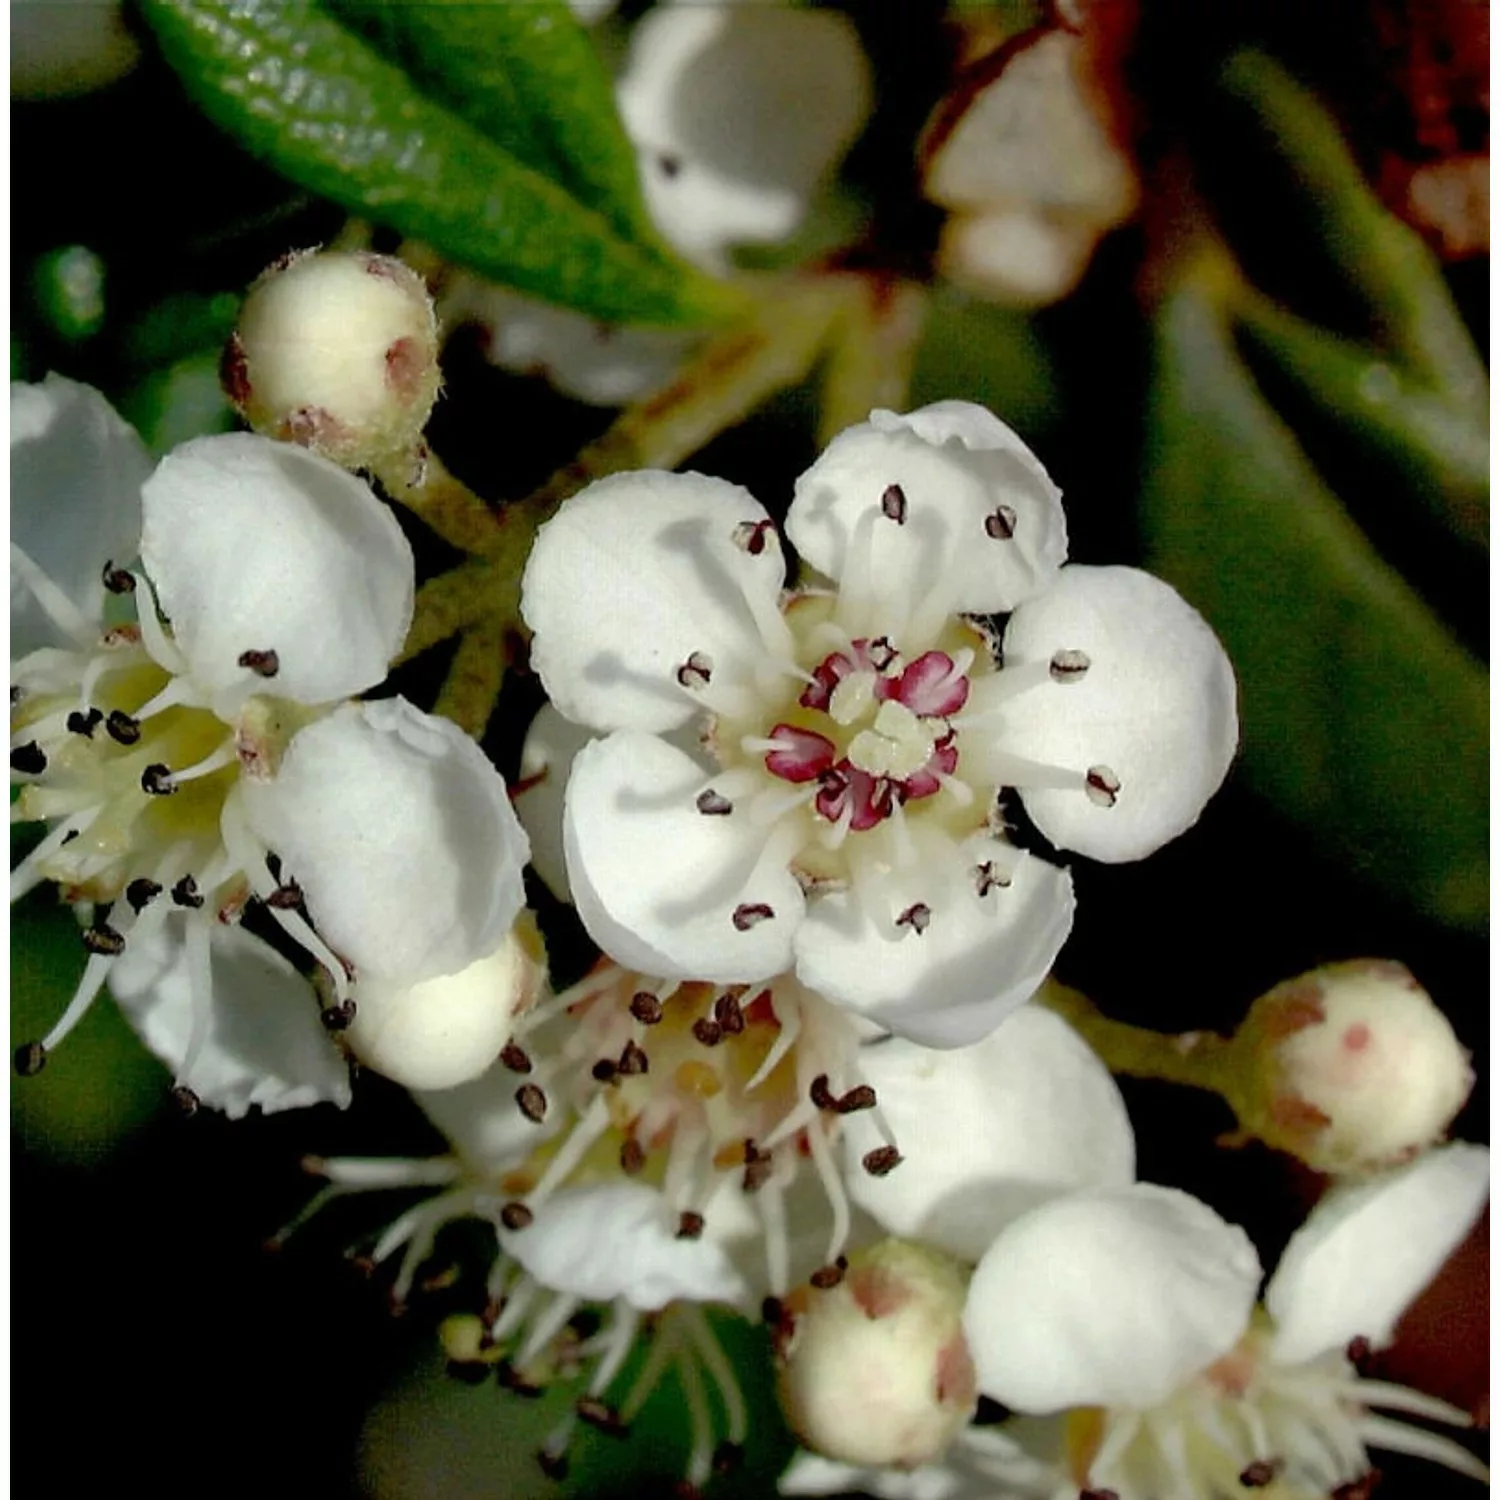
point(448, 1030)
point(337, 351)
point(874, 1370)
point(1351, 1067)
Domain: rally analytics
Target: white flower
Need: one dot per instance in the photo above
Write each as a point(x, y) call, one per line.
point(1141, 1302)
point(170, 758)
point(842, 816)
point(738, 112)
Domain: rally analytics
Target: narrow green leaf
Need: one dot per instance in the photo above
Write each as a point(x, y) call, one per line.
point(1363, 719)
point(529, 78)
point(302, 92)
point(1381, 258)
point(1439, 449)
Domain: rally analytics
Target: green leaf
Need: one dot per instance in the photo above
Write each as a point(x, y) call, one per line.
point(1362, 718)
point(302, 92)
point(527, 76)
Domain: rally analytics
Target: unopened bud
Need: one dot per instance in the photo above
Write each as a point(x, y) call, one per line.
point(874, 1370)
point(445, 1031)
point(466, 1341)
point(1351, 1067)
point(338, 351)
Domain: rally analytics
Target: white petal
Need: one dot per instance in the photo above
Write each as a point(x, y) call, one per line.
point(483, 1123)
point(634, 576)
point(657, 883)
point(265, 1046)
point(1368, 1250)
point(1015, 256)
point(619, 1240)
point(957, 464)
point(601, 363)
point(254, 545)
point(987, 1132)
point(444, 1031)
point(76, 471)
point(1156, 707)
point(546, 763)
point(1108, 1297)
point(402, 837)
point(812, 1474)
point(977, 960)
point(737, 112)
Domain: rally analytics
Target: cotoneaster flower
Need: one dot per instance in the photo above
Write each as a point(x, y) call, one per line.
point(190, 761)
point(841, 817)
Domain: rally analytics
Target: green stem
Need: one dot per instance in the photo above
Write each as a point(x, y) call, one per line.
point(472, 686)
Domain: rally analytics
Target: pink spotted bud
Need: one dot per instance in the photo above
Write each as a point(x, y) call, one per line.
point(338, 351)
point(873, 1369)
point(1351, 1067)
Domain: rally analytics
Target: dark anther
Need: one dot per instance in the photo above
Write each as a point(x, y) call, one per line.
point(286, 897)
point(728, 1015)
point(881, 652)
point(696, 672)
point(1000, 524)
point(645, 1007)
point(632, 1156)
point(140, 893)
point(31, 1058)
point(102, 938)
point(339, 1017)
point(185, 1099)
point(1068, 666)
point(604, 1070)
point(771, 1310)
point(121, 728)
point(470, 1371)
point(670, 165)
point(186, 893)
point(750, 536)
point(71, 834)
point(917, 916)
point(1358, 1352)
point(262, 663)
point(757, 1168)
point(515, 1058)
point(84, 723)
point(600, 1414)
point(880, 1161)
point(747, 915)
point(708, 1032)
point(861, 1096)
point(553, 1465)
point(633, 1061)
point(1262, 1472)
point(987, 878)
point(516, 1216)
point(1357, 1489)
point(117, 580)
point(712, 805)
point(28, 759)
point(533, 1102)
point(234, 372)
point(893, 504)
point(513, 1380)
point(689, 1225)
point(1102, 785)
point(821, 1095)
point(829, 1276)
point(728, 1457)
point(1098, 1495)
point(156, 780)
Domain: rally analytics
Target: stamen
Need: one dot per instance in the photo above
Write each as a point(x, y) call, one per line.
point(645, 1007)
point(516, 1216)
point(633, 1060)
point(751, 536)
point(600, 1416)
point(338, 1017)
point(696, 671)
point(1000, 524)
point(632, 1157)
point(532, 1102)
point(262, 663)
point(224, 756)
point(881, 1161)
point(1258, 1475)
point(515, 1058)
point(30, 1059)
point(708, 1032)
point(83, 723)
point(749, 913)
point(121, 728)
point(893, 504)
point(1069, 666)
point(117, 580)
point(28, 759)
point(156, 780)
point(185, 893)
point(689, 1225)
point(918, 917)
point(721, 1372)
point(829, 1276)
point(712, 805)
point(1102, 786)
point(728, 1015)
point(102, 939)
point(54, 602)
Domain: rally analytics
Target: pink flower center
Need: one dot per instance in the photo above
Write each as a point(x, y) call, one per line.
point(882, 737)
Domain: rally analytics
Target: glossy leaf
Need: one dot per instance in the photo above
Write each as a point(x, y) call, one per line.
point(529, 78)
point(1363, 718)
point(305, 94)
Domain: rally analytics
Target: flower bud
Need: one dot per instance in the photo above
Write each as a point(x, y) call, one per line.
point(445, 1031)
point(1350, 1068)
point(337, 351)
point(874, 1370)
